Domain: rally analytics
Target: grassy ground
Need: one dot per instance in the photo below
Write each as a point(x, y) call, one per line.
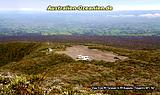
point(38, 72)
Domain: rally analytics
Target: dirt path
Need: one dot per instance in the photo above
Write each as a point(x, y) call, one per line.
point(76, 50)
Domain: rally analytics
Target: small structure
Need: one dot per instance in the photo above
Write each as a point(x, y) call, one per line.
point(48, 43)
point(49, 50)
point(80, 57)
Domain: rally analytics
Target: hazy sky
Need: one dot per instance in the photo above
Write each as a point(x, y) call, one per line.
point(42, 4)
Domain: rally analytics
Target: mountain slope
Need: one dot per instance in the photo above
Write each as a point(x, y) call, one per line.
point(53, 73)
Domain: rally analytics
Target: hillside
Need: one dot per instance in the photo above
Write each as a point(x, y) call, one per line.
point(33, 70)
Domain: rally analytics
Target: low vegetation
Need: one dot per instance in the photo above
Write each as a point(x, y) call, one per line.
point(37, 72)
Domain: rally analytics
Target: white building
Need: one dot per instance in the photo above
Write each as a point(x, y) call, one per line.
point(49, 50)
point(80, 57)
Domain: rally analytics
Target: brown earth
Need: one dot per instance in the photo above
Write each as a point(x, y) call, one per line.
point(95, 54)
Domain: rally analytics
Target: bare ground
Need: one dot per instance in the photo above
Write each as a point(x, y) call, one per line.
point(95, 54)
